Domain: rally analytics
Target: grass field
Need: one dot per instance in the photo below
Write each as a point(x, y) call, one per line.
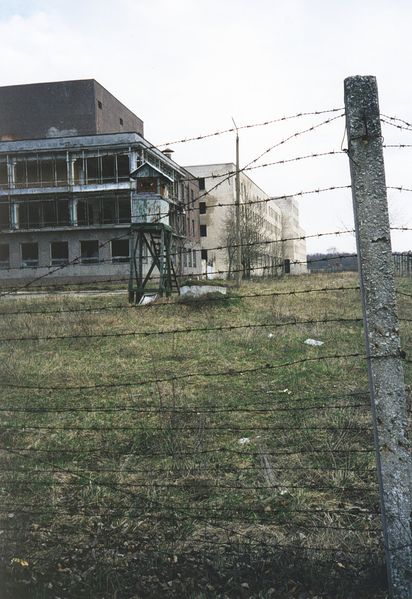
point(190, 448)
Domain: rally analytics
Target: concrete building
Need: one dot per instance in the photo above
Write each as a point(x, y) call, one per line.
point(265, 223)
point(62, 108)
point(67, 197)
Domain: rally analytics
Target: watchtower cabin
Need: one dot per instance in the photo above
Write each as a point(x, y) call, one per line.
point(157, 232)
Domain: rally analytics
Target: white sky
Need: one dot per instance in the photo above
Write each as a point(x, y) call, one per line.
point(187, 66)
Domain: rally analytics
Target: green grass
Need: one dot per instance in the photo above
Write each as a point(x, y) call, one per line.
point(169, 502)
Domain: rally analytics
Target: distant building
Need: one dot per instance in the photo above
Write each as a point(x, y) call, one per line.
point(67, 198)
point(271, 222)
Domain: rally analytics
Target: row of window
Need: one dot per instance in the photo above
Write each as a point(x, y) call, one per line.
point(89, 253)
point(59, 253)
point(56, 213)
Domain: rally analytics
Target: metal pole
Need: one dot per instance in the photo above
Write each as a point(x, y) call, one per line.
point(238, 230)
point(382, 341)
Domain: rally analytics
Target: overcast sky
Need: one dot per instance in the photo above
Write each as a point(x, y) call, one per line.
point(187, 66)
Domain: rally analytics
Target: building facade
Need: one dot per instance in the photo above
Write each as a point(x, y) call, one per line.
point(265, 224)
point(67, 203)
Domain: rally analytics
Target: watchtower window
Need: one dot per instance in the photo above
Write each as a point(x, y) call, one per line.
point(121, 122)
point(147, 185)
point(99, 104)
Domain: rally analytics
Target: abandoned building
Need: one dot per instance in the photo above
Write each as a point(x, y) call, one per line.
point(76, 175)
point(270, 230)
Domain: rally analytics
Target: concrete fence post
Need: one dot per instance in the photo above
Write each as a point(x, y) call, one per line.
point(385, 370)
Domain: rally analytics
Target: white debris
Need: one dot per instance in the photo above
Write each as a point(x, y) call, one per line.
point(198, 290)
point(244, 440)
point(148, 299)
point(313, 342)
point(270, 335)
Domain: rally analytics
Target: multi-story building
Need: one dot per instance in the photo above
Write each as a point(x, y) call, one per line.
point(265, 224)
point(75, 173)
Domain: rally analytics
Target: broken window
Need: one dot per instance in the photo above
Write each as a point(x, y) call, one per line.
point(29, 254)
point(204, 254)
point(92, 170)
point(89, 251)
point(120, 250)
point(4, 255)
point(202, 207)
point(4, 215)
point(124, 210)
point(201, 183)
point(203, 231)
point(88, 212)
point(109, 168)
point(61, 172)
point(30, 216)
point(55, 213)
point(59, 251)
point(123, 168)
point(109, 211)
point(4, 181)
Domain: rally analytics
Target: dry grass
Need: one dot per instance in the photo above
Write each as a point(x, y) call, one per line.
point(166, 487)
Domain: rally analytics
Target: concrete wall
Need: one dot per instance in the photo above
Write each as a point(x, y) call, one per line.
point(60, 109)
point(109, 117)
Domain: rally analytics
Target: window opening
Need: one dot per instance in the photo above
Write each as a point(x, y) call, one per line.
point(29, 254)
point(59, 251)
point(89, 251)
point(4, 255)
point(120, 250)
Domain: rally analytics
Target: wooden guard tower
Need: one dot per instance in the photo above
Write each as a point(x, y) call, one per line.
point(152, 238)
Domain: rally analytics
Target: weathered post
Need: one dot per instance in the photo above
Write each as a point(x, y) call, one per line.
point(385, 369)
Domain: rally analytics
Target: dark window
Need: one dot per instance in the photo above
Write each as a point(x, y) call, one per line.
point(99, 104)
point(202, 207)
point(287, 266)
point(194, 257)
point(30, 214)
point(4, 255)
point(123, 169)
point(124, 210)
point(203, 231)
point(109, 210)
point(120, 250)
point(193, 228)
point(121, 121)
point(4, 215)
point(3, 175)
point(59, 251)
point(201, 183)
point(192, 196)
point(204, 254)
point(89, 251)
point(29, 254)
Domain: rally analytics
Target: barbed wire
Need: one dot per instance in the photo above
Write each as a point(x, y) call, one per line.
point(187, 330)
point(250, 126)
point(187, 375)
